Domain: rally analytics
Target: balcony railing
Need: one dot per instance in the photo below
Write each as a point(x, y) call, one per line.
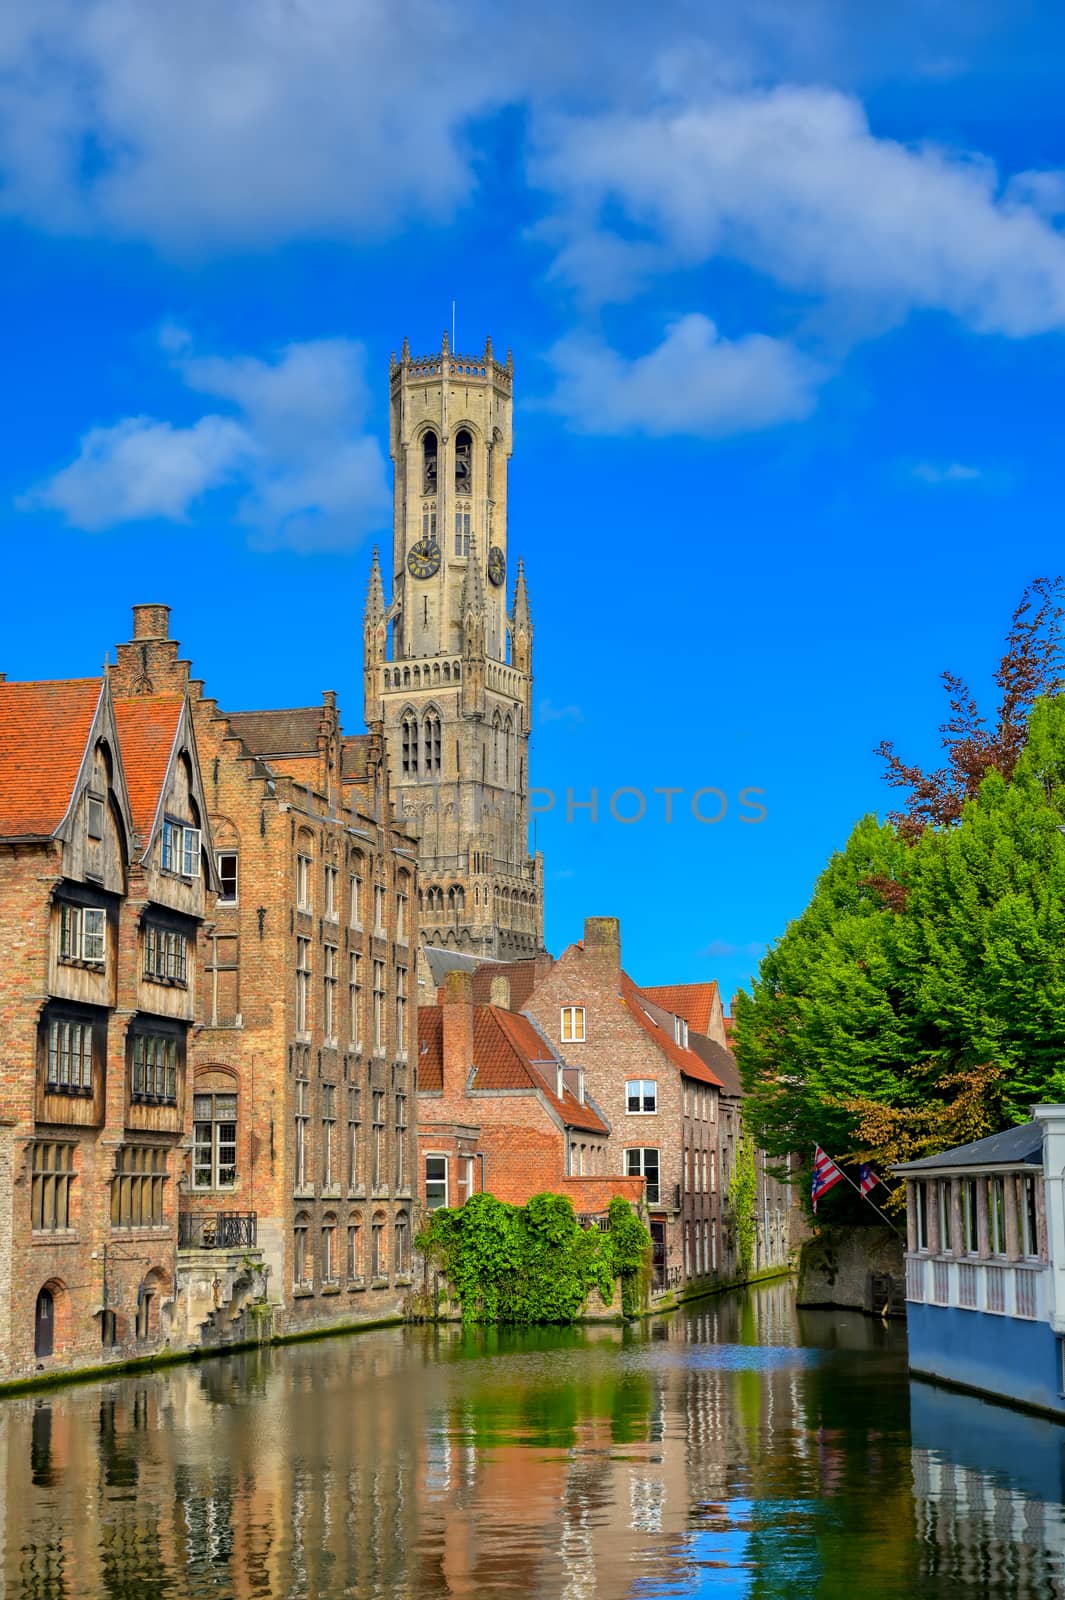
point(218, 1230)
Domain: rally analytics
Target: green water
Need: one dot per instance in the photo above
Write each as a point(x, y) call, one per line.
point(737, 1449)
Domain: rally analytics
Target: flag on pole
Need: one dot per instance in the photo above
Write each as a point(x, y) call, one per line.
point(867, 1178)
point(826, 1175)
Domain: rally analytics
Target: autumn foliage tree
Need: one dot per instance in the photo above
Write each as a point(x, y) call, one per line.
point(1030, 668)
point(919, 1000)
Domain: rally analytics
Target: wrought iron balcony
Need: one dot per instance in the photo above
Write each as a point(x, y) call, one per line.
point(218, 1230)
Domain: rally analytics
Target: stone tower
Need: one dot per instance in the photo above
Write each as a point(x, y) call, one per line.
point(453, 687)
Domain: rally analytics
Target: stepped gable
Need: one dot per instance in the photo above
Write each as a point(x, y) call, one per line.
point(44, 733)
point(147, 729)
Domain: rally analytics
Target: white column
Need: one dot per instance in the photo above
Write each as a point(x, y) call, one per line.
point(1052, 1119)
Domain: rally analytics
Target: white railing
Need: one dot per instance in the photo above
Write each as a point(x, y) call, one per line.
point(1002, 1288)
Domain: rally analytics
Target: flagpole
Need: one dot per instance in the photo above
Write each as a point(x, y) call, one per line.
point(865, 1197)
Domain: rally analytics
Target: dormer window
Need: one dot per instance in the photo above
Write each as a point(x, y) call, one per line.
point(82, 934)
point(181, 849)
point(680, 1032)
point(94, 817)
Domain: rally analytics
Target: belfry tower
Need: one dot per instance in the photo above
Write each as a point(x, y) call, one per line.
point(454, 688)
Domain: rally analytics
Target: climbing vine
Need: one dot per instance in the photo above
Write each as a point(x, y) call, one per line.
point(533, 1263)
point(742, 1196)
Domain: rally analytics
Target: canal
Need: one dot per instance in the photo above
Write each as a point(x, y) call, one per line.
point(740, 1448)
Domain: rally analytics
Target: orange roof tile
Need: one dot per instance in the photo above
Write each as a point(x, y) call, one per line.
point(430, 1047)
point(692, 1001)
point(44, 731)
point(506, 1048)
point(685, 1060)
point(147, 727)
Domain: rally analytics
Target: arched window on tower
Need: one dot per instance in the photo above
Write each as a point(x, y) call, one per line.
point(456, 898)
point(429, 456)
point(508, 734)
point(497, 747)
point(410, 744)
point(462, 529)
point(463, 462)
point(431, 742)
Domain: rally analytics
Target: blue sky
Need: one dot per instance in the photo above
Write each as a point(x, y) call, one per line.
point(785, 287)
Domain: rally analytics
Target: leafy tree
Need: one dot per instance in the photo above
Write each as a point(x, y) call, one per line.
point(828, 1017)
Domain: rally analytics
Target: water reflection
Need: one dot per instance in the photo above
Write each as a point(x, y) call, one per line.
point(739, 1448)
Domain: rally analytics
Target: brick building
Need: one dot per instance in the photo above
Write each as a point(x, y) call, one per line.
point(660, 1098)
point(499, 1111)
point(302, 1112)
point(105, 868)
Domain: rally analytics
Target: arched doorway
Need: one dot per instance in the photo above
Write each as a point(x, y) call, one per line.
point(44, 1324)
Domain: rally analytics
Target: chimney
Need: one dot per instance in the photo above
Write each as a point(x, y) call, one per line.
point(456, 998)
point(499, 993)
point(151, 622)
point(602, 941)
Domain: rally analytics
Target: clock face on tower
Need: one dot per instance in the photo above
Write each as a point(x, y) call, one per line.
point(497, 566)
point(423, 558)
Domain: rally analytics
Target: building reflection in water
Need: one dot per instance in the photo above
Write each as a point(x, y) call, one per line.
point(738, 1444)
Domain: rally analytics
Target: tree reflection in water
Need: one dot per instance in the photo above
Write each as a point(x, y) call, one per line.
point(738, 1446)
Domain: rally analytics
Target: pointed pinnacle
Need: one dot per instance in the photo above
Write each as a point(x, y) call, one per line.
point(472, 587)
point(375, 594)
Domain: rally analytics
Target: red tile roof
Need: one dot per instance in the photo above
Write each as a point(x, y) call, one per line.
point(522, 976)
point(692, 1001)
point(147, 727)
point(685, 1060)
point(44, 731)
point(430, 1048)
point(508, 1053)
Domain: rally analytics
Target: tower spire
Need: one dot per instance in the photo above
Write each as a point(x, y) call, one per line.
point(520, 617)
point(374, 642)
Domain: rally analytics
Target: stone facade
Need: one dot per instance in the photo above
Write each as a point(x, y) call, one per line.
point(453, 688)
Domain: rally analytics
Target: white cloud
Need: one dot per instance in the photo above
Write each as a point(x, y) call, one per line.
point(143, 468)
point(792, 182)
point(694, 382)
point(953, 472)
point(307, 473)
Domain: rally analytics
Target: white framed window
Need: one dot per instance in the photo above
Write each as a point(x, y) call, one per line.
point(401, 1140)
point(214, 1141)
point(401, 1013)
point(331, 894)
point(303, 985)
point(1029, 1218)
point(945, 1220)
point(713, 1170)
point(378, 1008)
point(303, 1089)
point(82, 933)
point(181, 849)
point(680, 1032)
point(435, 1182)
point(355, 893)
point(227, 862)
point(354, 1131)
point(970, 1217)
point(330, 994)
point(378, 908)
point(329, 1112)
point(355, 998)
point(641, 1096)
point(378, 1138)
point(921, 1206)
point(329, 1252)
point(643, 1163)
point(303, 883)
point(401, 919)
point(996, 1216)
point(572, 1029)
